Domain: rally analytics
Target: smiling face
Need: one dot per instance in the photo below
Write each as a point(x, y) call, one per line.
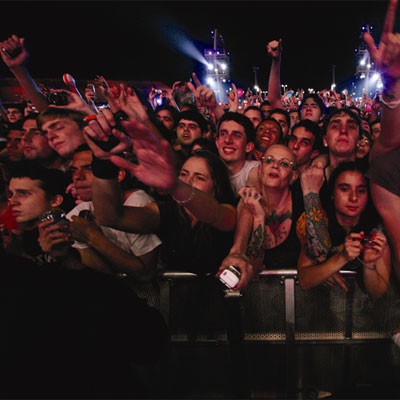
point(232, 142)
point(342, 134)
point(195, 172)
point(350, 195)
point(64, 135)
point(277, 168)
point(267, 134)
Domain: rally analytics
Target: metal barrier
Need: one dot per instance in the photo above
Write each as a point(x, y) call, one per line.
point(238, 333)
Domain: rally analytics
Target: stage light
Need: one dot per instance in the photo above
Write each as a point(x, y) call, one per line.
point(223, 67)
point(210, 81)
point(362, 62)
point(210, 66)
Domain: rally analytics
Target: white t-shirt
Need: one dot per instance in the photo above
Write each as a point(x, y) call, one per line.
point(132, 243)
point(239, 179)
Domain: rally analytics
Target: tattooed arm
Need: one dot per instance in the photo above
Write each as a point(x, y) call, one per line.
point(255, 248)
point(317, 244)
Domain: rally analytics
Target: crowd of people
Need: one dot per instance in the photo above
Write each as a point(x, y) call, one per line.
point(308, 181)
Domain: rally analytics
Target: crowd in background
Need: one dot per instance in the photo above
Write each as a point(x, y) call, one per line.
point(174, 180)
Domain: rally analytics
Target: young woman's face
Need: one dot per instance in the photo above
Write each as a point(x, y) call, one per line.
point(350, 194)
point(195, 172)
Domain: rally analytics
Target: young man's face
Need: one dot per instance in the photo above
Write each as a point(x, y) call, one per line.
point(231, 142)
point(35, 143)
point(14, 114)
point(14, 145)
point(254, 116)
point(82, 175)
point(64, 136)
point(165, 117)
point(310, 110)
point(342, 134)
point(267, 134)
point(282, 122)
point(301, 143)
point(187, 132)
point(28, 200)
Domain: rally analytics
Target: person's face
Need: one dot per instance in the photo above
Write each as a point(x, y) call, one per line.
point(28, 200)
point(14, 145)
point(187, 131)
point(64, 135)
point(165, 117)
point(35, 144)
point(14, 114)
point(310, 110)
point(294, 118)
point(301, 143)
point(376, 130)
point(82, 176)
point(365, 125)
point(342, 135)
point(266, 110)
point(363, 147)
point(231, 142)
point(282, 122)
point(276, 169)
point(350, 194)
point(254, 116)
point(195, 172)
point(267, 134)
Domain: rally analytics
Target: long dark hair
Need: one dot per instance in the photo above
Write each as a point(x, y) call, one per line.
point(369, 218)
point(219, 175)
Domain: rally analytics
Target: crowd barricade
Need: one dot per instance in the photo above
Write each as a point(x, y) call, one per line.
point(272, 335)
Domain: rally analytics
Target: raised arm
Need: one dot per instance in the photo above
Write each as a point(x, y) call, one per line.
point(274, 49)
point(156, 169)
point(15, 56)
point(387, 61)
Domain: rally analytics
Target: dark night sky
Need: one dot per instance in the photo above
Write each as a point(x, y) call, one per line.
point(134, 40)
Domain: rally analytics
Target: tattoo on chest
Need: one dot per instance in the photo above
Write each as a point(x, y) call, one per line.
point(274, 221)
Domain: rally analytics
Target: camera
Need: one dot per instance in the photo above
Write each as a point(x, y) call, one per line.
point(58, 98)
point(230, 276)
point(57, 215)
point(367, 242)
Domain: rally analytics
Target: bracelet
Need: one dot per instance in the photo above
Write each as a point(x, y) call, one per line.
point(104, 169)
point(190, 198)
point(390, 104)
point(373, 268)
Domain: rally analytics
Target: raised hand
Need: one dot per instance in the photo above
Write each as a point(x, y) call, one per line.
point(155, 158)
point(101, 128)
point(274, 49)
point(387, 55)
point(233, 99)
point(14, 52)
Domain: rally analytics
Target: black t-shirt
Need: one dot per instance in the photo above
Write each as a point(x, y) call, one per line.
point(200, 249)
point(286, 254)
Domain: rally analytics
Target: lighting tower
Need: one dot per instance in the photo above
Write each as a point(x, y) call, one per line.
point(365, 68)
point(218, 66)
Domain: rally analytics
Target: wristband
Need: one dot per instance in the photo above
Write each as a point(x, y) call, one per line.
point(104, 169)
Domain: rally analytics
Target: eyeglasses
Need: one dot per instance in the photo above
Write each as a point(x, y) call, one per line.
point(283, 162)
